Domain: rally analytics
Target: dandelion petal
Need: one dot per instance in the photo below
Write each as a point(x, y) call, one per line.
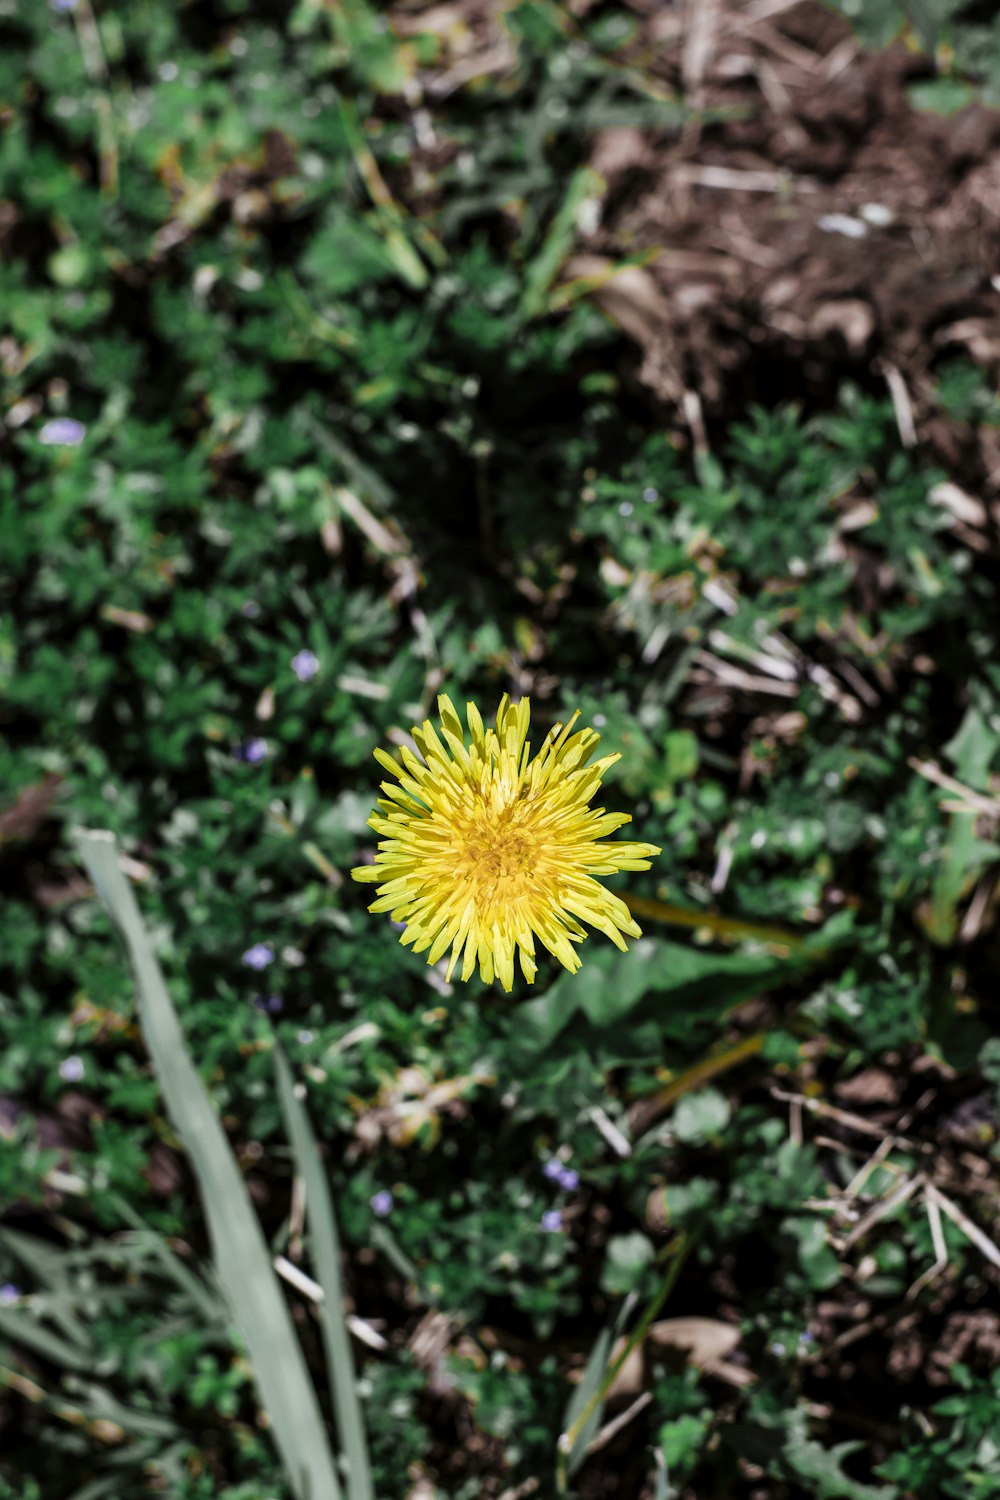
point(487, 848)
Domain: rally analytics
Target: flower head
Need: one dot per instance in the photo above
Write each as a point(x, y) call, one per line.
point(62, 432)
point(272, 1005)
point(305, 665)
point(485, 848)
point(557, 1171)
point(259, 956)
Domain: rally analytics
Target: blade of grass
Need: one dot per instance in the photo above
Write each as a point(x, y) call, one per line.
point(18, 1324)
point(41, 1257)
point(82, 1404)
point(650, 1107)
point(571, 291)
point(49, 1267)
point(326, 1263)
point(167, 1465)
point(96, 1403)
point(242, 1259)
point(590, 1383)
point(724, 927)
point(390, 216)
point(96, 67)
point(383, 1239)
point(200, 1295)
point(570, 1438)
point(544, 267)
point(97, 1489)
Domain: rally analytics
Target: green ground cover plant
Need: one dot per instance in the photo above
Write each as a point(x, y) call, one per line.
point(961, 43)
point(303, 426)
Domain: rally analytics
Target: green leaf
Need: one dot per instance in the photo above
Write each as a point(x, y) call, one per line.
point(628, 1258)
point(941, 96)
point(876, 22)
point(543, 269)
point(681, 1439)
point(700, 1117)
point(821, 1469)
point(593, 1374)
point(677, 986)
point(240, 1252)
point(972, 750)
point(682, 754)
point(19, 1324)
point(326, 1260)
point(819, 1264)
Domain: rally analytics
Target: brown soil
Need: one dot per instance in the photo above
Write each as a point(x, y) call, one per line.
point(825, 229)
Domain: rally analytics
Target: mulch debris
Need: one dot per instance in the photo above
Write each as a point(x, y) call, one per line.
point(823, 228)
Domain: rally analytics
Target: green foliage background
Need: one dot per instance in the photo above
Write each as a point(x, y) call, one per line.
point(331, 403)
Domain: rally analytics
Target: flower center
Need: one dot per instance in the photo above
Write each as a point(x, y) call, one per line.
point(494, 850)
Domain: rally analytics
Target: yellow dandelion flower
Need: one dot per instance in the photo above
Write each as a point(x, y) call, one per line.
point(484, 848)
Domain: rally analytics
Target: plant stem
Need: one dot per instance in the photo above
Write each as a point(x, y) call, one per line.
point(649, 1108)
point(678, 1252)
point(723, 927)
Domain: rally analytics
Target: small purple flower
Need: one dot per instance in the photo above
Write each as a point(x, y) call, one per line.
point(259, 956)
point(62, 432)
point(71, 1069)
point(252, 751)
point(568, 1180)
point(381, 1203)
point(250, 608)
point(552, 1221)
point(64, 5)
point(552, 1169)
point(273, 1005)
point(9, 1293)
point(305, 665)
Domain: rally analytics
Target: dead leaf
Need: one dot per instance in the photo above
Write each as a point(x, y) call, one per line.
point(871, 1086)
point(852, 318)
point(628, 294)
point(129, 619)
point(706, 1341)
